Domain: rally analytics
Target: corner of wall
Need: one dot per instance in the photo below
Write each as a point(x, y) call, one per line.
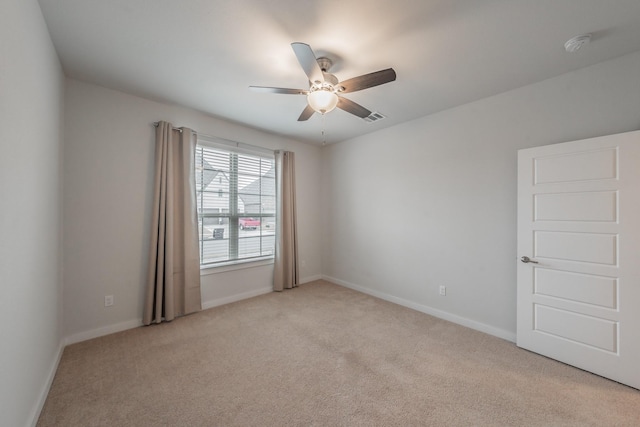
point(44, 391)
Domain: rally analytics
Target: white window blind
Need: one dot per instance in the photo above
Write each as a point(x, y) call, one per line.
point(236, 195)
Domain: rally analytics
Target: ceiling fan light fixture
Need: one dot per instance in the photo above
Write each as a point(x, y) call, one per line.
point(322, 100)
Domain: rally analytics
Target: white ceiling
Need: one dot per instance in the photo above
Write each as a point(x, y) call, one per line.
point(204, 54)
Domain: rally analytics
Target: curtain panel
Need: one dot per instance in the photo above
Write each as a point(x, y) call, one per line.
point(173, 287)
point(286, 267)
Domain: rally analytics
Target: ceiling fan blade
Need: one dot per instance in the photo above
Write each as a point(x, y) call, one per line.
point(278, 90)
point(368, 80)
point(306, 114)
point(353, 108)
point(308, 61)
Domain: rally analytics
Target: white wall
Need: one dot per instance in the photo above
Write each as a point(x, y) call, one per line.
point(31, 98)
point(433, 201)
point(108, 175)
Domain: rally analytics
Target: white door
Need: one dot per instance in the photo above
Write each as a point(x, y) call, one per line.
point(579, 224)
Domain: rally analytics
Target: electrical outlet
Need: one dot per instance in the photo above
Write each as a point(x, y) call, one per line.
point(108, 300)
point(443, 290)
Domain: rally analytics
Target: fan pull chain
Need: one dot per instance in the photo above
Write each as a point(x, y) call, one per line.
point(324, 138)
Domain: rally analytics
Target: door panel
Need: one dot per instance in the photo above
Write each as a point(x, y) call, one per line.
point(593, 248)
point(578, 166)
point(585, 206)
point(587, 330)
point(579, 218)
point(583, 288)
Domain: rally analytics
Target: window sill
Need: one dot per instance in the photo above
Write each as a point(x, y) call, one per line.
point(206, 270)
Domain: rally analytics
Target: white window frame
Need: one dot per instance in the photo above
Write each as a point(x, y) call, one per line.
point(233, 262)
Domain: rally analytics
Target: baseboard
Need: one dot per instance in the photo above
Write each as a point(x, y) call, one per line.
point(310, 279)
point(237, 297)
point(463, 321)
point(134, 323)
point(44, 392)
point(99, 332)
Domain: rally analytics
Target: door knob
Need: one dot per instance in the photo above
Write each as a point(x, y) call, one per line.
point(526, 259)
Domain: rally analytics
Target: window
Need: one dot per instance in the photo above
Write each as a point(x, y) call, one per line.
point(236, 199)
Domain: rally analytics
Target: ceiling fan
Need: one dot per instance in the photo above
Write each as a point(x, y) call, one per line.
point(325, 89)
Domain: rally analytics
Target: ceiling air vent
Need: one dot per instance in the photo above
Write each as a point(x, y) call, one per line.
point(373, 117)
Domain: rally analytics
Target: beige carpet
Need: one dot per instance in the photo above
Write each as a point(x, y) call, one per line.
point(323, 355)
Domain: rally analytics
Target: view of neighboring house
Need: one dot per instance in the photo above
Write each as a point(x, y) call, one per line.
point(255, 189)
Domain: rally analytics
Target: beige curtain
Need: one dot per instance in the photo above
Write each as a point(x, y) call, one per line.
point(285, 272)
point(173, 287)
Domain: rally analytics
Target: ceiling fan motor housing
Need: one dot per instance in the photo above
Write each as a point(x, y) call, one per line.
point(324, 63)
point(330, 79)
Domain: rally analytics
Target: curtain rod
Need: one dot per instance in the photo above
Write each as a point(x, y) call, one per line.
point(157, 123)
point(226, 141)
